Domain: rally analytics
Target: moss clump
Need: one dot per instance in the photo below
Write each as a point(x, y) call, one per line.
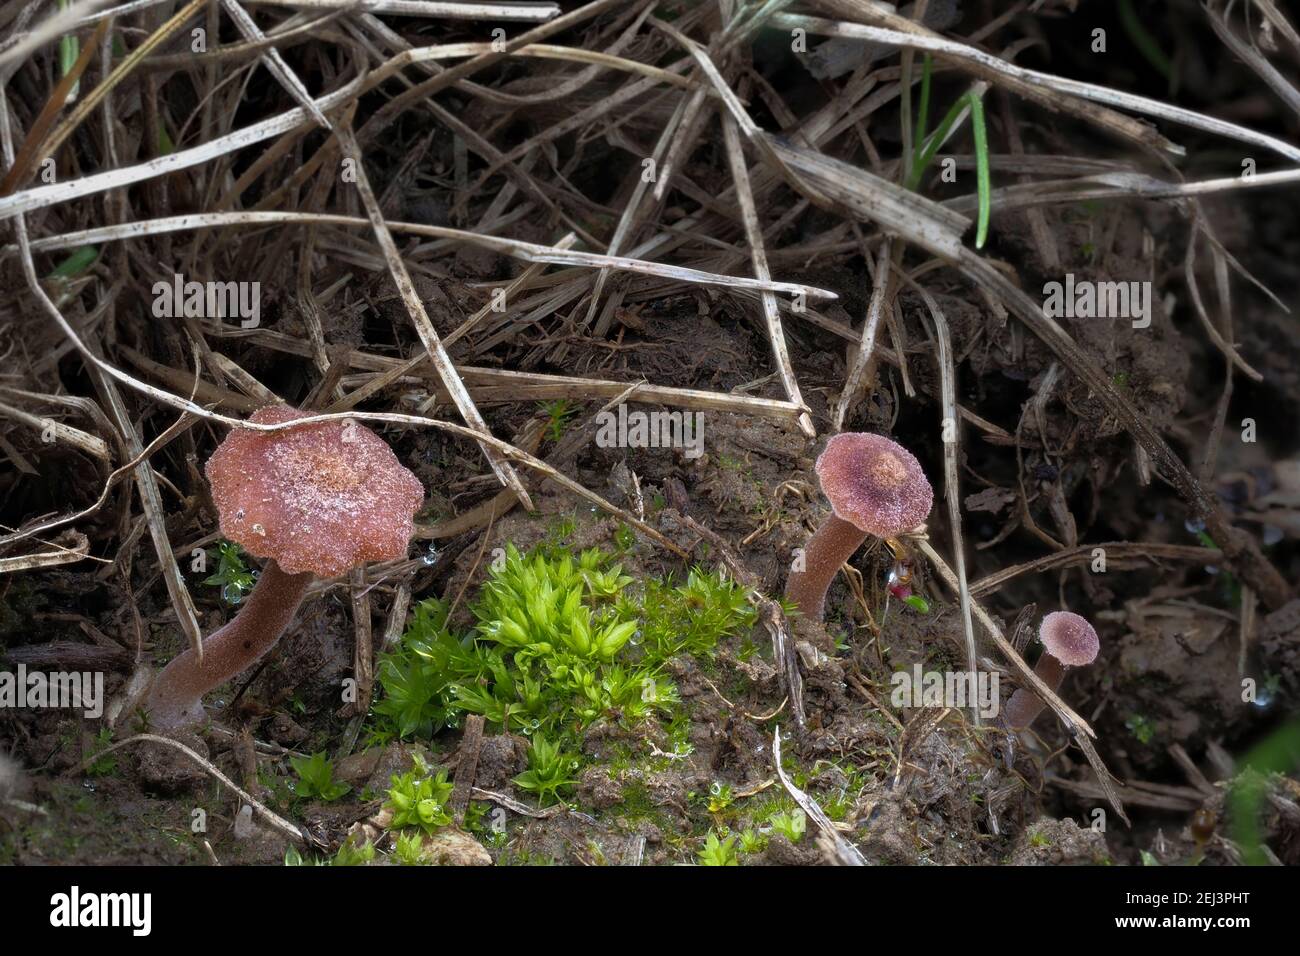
point(559, 643)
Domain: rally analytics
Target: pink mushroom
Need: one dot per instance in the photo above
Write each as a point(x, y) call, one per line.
point(1068, 641)
point(314, 501)
point(875, 486)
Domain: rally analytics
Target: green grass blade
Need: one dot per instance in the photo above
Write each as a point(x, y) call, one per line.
point(69, 50)
point(922, 110)
point(934, 142)
point(981, 166)
point(75, 264)
point(1144, 41)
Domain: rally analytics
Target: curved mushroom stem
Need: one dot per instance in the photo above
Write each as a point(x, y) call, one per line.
point(176, 697)
point(827, 550)
point(1024, 704)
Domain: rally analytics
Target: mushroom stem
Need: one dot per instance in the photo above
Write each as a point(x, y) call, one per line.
point(176, 697)
point(826, 551)
point(1024, 704)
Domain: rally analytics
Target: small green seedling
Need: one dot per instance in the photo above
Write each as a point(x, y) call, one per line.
point(548, 770)
point(792, 825)
point(102, 766)
point(409, 849)
point(751, 842)
point(350, 854)
point(718, 852)
point(1141, 728)
point(419, 801)
point(624, 537)
point(292, 857)
point(232, 575)
point(417, 678)
point(558, 414)
point(720, 797)
point(316, 778)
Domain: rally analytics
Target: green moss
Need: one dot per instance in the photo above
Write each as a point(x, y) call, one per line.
point(1141, 728)
point(718, 851)
point(559, 643)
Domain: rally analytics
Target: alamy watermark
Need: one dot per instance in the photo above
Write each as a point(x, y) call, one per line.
point(1086, 299)
point(74, 909)
point(208, 300)
point(638, 429)
point(80, 690)
point(960, 689)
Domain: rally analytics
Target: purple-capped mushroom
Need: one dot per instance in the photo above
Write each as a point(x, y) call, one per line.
point(315, 502)
point(1068, 641)
point(875, 487)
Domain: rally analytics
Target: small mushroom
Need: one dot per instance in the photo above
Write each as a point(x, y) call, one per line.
point(875, 486)
point(314, 501)
point(1068, 641)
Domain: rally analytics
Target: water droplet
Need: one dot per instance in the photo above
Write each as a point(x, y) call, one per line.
point(1194, 525)
point(635, 639)
point(1272, 534)
point(1211, 569)
point(430, 557)
point(232, 593)
point(1263, 698)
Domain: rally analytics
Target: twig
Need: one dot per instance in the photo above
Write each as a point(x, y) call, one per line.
point(471, 742)
point(754, 235)
point(846, 854)
point(951, 475)
point(280, 824)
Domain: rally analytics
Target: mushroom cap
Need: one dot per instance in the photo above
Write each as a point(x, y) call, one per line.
point(323, 498)
point(1069, 638)
point(874, 483)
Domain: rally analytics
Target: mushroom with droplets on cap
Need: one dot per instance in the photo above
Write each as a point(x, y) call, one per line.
point(314, 501)
point(875, 486)
point(1068, 641)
